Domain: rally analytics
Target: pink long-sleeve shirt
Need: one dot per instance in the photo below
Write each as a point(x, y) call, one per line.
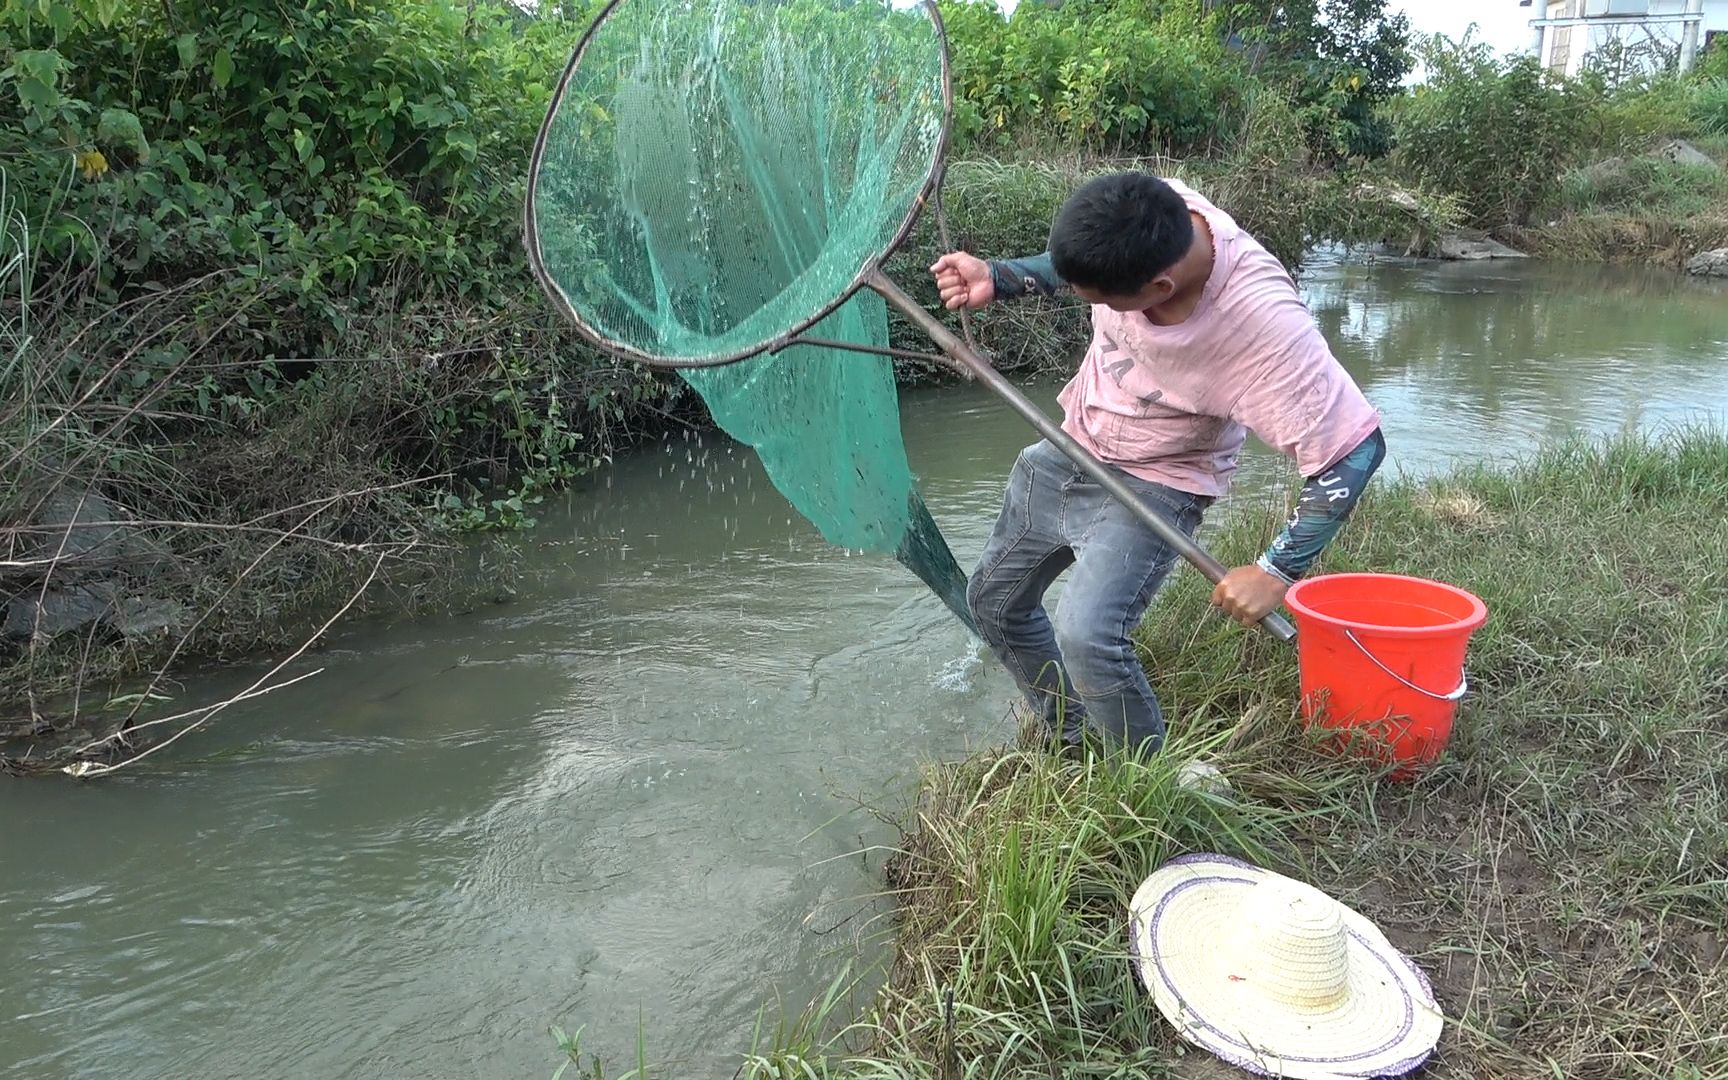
point(1174, 404)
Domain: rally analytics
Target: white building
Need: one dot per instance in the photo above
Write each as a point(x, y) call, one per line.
point(1650, 30)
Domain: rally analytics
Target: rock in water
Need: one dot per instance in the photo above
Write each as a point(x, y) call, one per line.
point(1709, 263)
point(1475, 245)
point(58, 610)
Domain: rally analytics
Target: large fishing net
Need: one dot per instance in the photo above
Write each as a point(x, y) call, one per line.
point(714, 180)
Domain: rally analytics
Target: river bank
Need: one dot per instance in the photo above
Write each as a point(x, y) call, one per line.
point(1558, 876)
point(1663, 206)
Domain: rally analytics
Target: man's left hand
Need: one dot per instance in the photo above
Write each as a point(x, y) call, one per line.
point(1248, 594)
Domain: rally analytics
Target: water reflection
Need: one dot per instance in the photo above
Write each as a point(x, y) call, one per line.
point(1468, 359)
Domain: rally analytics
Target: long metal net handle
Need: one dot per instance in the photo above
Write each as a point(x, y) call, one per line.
point(1463, 679)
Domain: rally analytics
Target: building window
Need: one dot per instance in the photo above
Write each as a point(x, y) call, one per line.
point(1560, 56)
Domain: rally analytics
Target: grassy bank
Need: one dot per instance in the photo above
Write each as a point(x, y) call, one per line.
point(1562, 876)
point(1637, 207)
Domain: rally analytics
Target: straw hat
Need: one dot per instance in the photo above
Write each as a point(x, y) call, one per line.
point(1277, 977)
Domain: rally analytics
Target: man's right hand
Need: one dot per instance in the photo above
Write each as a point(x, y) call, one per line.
point(963, 281)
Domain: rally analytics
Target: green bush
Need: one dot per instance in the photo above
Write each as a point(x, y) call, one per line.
point(1336, 61)
point(1493, 132)
point(1709, 106)
point(1106, 76)
point(317, 179)
point(1637, 114)
point(1173, 76)
point(323, 150)
point(1713, 61)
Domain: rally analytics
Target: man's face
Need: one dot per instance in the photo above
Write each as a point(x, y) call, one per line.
point(1155, 292)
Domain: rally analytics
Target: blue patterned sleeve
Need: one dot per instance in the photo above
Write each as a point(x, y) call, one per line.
point(1325, 503)
point(1015, 278)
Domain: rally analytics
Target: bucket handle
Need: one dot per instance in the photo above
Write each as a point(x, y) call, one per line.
point(1463, 679)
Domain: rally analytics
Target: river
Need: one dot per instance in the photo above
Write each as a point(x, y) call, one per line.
point(636, 792)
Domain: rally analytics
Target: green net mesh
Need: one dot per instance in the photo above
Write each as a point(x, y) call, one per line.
point(715, 174)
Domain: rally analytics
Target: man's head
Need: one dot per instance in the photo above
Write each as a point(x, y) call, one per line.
point(1117, 238)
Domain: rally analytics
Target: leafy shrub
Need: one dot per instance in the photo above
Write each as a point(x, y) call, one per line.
point(1713, 61)
point(324, 149)
point(1092, 74)
point(1170, 76)
point(1641, 112)
point(1335, 60)
point(1493, 132)
point(317, 179)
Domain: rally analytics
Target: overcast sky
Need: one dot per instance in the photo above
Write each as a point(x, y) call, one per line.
point(1501, 23)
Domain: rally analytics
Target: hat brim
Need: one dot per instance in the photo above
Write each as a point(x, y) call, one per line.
point(1386, 1025)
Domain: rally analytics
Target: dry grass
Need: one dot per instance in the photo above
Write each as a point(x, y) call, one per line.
point(1458, 509)
point(1644, 239)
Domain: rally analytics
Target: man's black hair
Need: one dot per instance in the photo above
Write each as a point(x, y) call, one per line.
point(1118, 232)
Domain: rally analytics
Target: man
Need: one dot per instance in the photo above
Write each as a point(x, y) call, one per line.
point(1199, 337)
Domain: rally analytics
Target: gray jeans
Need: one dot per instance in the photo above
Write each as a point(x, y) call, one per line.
point(1080, 668)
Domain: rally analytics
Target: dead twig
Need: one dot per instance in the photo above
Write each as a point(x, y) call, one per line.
point(190, 526)
point(88, 769)
point(186, 637)
point(188, 714)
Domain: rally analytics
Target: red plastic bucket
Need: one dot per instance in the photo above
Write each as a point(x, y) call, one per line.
point(1382, 655)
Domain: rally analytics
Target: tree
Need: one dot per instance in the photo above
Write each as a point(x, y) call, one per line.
point(1338, 59)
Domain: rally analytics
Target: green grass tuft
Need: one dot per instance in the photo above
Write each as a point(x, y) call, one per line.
point(1640, 209)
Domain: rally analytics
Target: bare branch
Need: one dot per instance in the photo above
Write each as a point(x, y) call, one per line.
point(188, 714)
point(120, 362)
point(87, 769)
point(193, 526)
point(250, 526)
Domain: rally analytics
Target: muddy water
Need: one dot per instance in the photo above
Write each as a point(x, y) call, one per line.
point(633, 792)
